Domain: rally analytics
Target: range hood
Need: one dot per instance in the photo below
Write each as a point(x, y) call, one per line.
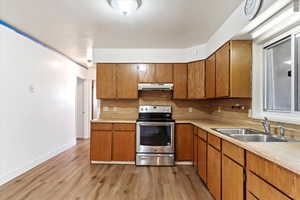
point(155, 86)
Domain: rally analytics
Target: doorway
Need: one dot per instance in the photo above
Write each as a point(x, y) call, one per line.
point(80, 109)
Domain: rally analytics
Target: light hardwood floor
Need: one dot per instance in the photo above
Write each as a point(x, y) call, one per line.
point(70, 176)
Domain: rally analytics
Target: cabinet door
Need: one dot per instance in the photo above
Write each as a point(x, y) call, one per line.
point(195, 152)
point(164, 73)
point(240, 68)
point(232, 180)
point(214, 172)
point(196, 80)
point(146, 73)
point(106, 81)
point(127, 81)
point(202, 159)
point(184, 142)
point(180, 81)
point(101, 145)
point(222, 71)
point(210, 76)
point(123, 146)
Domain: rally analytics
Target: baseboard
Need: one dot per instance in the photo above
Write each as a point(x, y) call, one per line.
point(184, 163)
point(114, 162)
point(17, 172)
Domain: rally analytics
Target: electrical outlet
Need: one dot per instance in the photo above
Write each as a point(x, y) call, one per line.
point(190, 109)
point(219, 109)
point(106, 109)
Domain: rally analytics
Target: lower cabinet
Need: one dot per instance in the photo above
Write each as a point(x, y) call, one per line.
point(195, 146)
point(112, 142)
point(184, 142)
point(232, 180)
point(101, 144)
point(202, 159)
point(123, 146)
point(233, 162)
point(251, 196)
point(214, 171)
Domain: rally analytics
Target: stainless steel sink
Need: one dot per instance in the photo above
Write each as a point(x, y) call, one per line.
point(249, 135)
point(238, 131)
point(258, 138)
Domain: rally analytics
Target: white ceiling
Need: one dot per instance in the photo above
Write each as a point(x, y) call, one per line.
point(73, 26)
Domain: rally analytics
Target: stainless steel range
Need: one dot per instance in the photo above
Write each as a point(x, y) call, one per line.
point(155, 136)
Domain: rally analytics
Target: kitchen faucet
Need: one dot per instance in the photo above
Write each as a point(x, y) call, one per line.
point(267, 125)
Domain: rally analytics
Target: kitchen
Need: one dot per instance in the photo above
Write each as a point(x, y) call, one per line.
point(140, 103)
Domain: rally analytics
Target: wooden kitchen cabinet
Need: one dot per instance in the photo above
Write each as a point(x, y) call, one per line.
point(202, 159)
point(196, 80)
point(146, 73)
point(164, 73)
point(180, 74)
point(223, 71)
point(214, 171)
point(123, 146)
point(184, 142)
point(101, 144)
point(233, 69)
point(210, 76)
point(232, 179)
point(112, 142)
point(195, 146)
point(106, 81)
point(127, 81)
point(277, 178)
point(117, 81)
point(155, 73)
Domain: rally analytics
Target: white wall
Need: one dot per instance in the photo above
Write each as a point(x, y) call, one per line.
point(37, 103)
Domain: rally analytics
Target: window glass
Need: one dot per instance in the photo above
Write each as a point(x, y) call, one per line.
point(278, 76)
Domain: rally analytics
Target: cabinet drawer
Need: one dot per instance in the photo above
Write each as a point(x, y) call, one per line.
point(283, 179)
point(234, 152)
point(101, 126)
point(202, 134)
point(214, 141)
point(124, 127)
point(263, 190)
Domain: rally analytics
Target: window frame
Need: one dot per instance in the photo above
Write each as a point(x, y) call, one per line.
point(258, 79)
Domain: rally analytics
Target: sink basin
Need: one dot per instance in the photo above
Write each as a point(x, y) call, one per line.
point(239, 131)
point(258, 138)
point(249, 135)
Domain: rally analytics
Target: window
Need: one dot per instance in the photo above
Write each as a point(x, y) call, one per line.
point(281, 88)
point(278, 76)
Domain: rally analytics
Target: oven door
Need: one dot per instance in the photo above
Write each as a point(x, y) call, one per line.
point(155, 137)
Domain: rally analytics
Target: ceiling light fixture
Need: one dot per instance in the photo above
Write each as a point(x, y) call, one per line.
point(125, 6)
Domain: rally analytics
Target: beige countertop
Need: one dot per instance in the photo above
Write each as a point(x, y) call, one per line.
point(112, 121)
point(284, 154)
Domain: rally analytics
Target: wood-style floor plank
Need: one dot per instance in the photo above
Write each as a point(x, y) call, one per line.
point(69, 176)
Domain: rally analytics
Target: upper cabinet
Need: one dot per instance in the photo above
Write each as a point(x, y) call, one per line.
point(223, 71)
point(146, 73)
point(127, 81)
point(225, 74)
point(196, 80)
point(117, 81)
point(180, 74)
point(155, 73)
point(210, 76)
point(233, 69)
point(106, 81)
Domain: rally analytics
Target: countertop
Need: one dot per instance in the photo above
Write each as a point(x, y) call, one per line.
point(284, 154)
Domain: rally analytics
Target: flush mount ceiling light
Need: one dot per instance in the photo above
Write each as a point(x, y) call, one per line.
point(125, 6)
